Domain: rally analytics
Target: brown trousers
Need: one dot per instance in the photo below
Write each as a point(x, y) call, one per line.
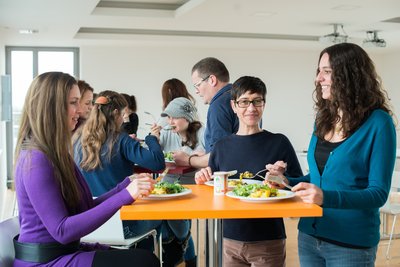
point(269, 253)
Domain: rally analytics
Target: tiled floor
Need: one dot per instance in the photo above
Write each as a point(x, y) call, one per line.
point(291, 244)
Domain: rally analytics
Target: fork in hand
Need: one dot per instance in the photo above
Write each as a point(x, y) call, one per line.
point(278, 180)
point(158, 179)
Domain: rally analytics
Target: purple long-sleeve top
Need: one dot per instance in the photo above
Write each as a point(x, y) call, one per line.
point(44, 216)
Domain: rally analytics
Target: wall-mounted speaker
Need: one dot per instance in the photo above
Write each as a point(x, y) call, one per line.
point(5, 98)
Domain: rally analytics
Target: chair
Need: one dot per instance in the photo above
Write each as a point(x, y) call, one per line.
point(8, 229)
point(392, 206)
point(111, 233)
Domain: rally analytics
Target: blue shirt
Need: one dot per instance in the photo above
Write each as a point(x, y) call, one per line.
point(355, 183)
point(126, 152)
point(221, 120)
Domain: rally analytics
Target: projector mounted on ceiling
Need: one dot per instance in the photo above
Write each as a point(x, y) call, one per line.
point(372, 40)
point(335, 37)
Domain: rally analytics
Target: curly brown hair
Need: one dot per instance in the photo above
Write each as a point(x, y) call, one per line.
point(356, 90)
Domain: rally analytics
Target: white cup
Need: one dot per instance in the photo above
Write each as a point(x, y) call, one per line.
point(220, 183)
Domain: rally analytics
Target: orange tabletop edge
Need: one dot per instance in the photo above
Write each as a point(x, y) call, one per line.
point(202, 204)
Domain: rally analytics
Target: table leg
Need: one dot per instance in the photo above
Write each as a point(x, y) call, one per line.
point(218, 239)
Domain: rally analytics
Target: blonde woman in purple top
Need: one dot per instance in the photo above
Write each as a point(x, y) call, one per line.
point(55, 205)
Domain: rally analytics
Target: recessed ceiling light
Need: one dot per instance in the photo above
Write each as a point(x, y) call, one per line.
point(28, 31)
point(264, 14)
point(345, 7)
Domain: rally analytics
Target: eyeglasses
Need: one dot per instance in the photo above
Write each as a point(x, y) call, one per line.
point(259, 102)
point(196, 85)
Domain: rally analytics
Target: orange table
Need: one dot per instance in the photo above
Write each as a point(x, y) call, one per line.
point(202, 204)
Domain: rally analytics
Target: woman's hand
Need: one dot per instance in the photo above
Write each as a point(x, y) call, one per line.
point(141, 185)
point(274, 184)
point(155, 130)
point(277, 169)
point(309, 193)
point(204, 175)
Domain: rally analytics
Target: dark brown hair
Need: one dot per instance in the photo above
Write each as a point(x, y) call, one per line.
point(356, 90)
point(174, 88)
point(131, 100)
point(192, 129)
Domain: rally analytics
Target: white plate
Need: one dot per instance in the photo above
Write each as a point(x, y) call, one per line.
point(247, 181)
point(185, 192)
point(170, 161)
point(284, 194)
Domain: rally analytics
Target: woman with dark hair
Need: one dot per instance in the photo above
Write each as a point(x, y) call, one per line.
point(185, 133)
point(174, 88)
point(351, 159)
point(55, 205)
point(131, 119)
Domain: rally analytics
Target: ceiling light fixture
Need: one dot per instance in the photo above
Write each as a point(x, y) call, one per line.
point(335, 37)
point(28, 31)
point(373, 40)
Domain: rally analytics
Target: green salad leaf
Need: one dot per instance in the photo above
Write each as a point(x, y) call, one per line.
point(169, 188)
point(169, 156)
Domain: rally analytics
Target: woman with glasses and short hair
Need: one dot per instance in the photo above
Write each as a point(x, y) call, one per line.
point(255, 242)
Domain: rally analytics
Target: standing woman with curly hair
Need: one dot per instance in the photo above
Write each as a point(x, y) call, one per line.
point(351, 158)
point(55, 205)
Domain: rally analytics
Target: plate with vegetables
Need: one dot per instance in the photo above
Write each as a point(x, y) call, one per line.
point(232, 183)
point(259, 193)
point(165, 190)
point(169, 157)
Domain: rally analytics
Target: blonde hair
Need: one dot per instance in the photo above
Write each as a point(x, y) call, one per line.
point(101, 128)
point(44, 126)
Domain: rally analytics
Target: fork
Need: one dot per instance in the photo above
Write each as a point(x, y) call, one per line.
point(278, 180)
point(257, 174)
point(162, 175)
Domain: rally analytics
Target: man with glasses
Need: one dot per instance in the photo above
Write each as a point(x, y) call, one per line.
point(211, 81)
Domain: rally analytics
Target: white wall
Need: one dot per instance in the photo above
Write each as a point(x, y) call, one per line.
point(289, 77)
point(142, 71)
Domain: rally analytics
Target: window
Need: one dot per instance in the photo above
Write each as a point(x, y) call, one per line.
point(23, 64)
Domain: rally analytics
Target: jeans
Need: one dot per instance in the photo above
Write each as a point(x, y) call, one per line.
point(315, 253)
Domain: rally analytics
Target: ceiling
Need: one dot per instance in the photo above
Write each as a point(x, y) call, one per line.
point(215, 23)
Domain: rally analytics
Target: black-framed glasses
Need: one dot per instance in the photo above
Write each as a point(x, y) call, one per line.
point(259, 102)
point(196, 85)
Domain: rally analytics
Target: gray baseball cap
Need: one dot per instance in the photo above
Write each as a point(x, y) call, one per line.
point(181, 107)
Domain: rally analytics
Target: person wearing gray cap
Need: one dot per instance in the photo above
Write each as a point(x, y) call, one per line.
point(186, 134)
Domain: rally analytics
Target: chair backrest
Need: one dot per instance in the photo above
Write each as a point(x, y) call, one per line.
point(110, 233)
point(8, 229)
point(396, 181)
